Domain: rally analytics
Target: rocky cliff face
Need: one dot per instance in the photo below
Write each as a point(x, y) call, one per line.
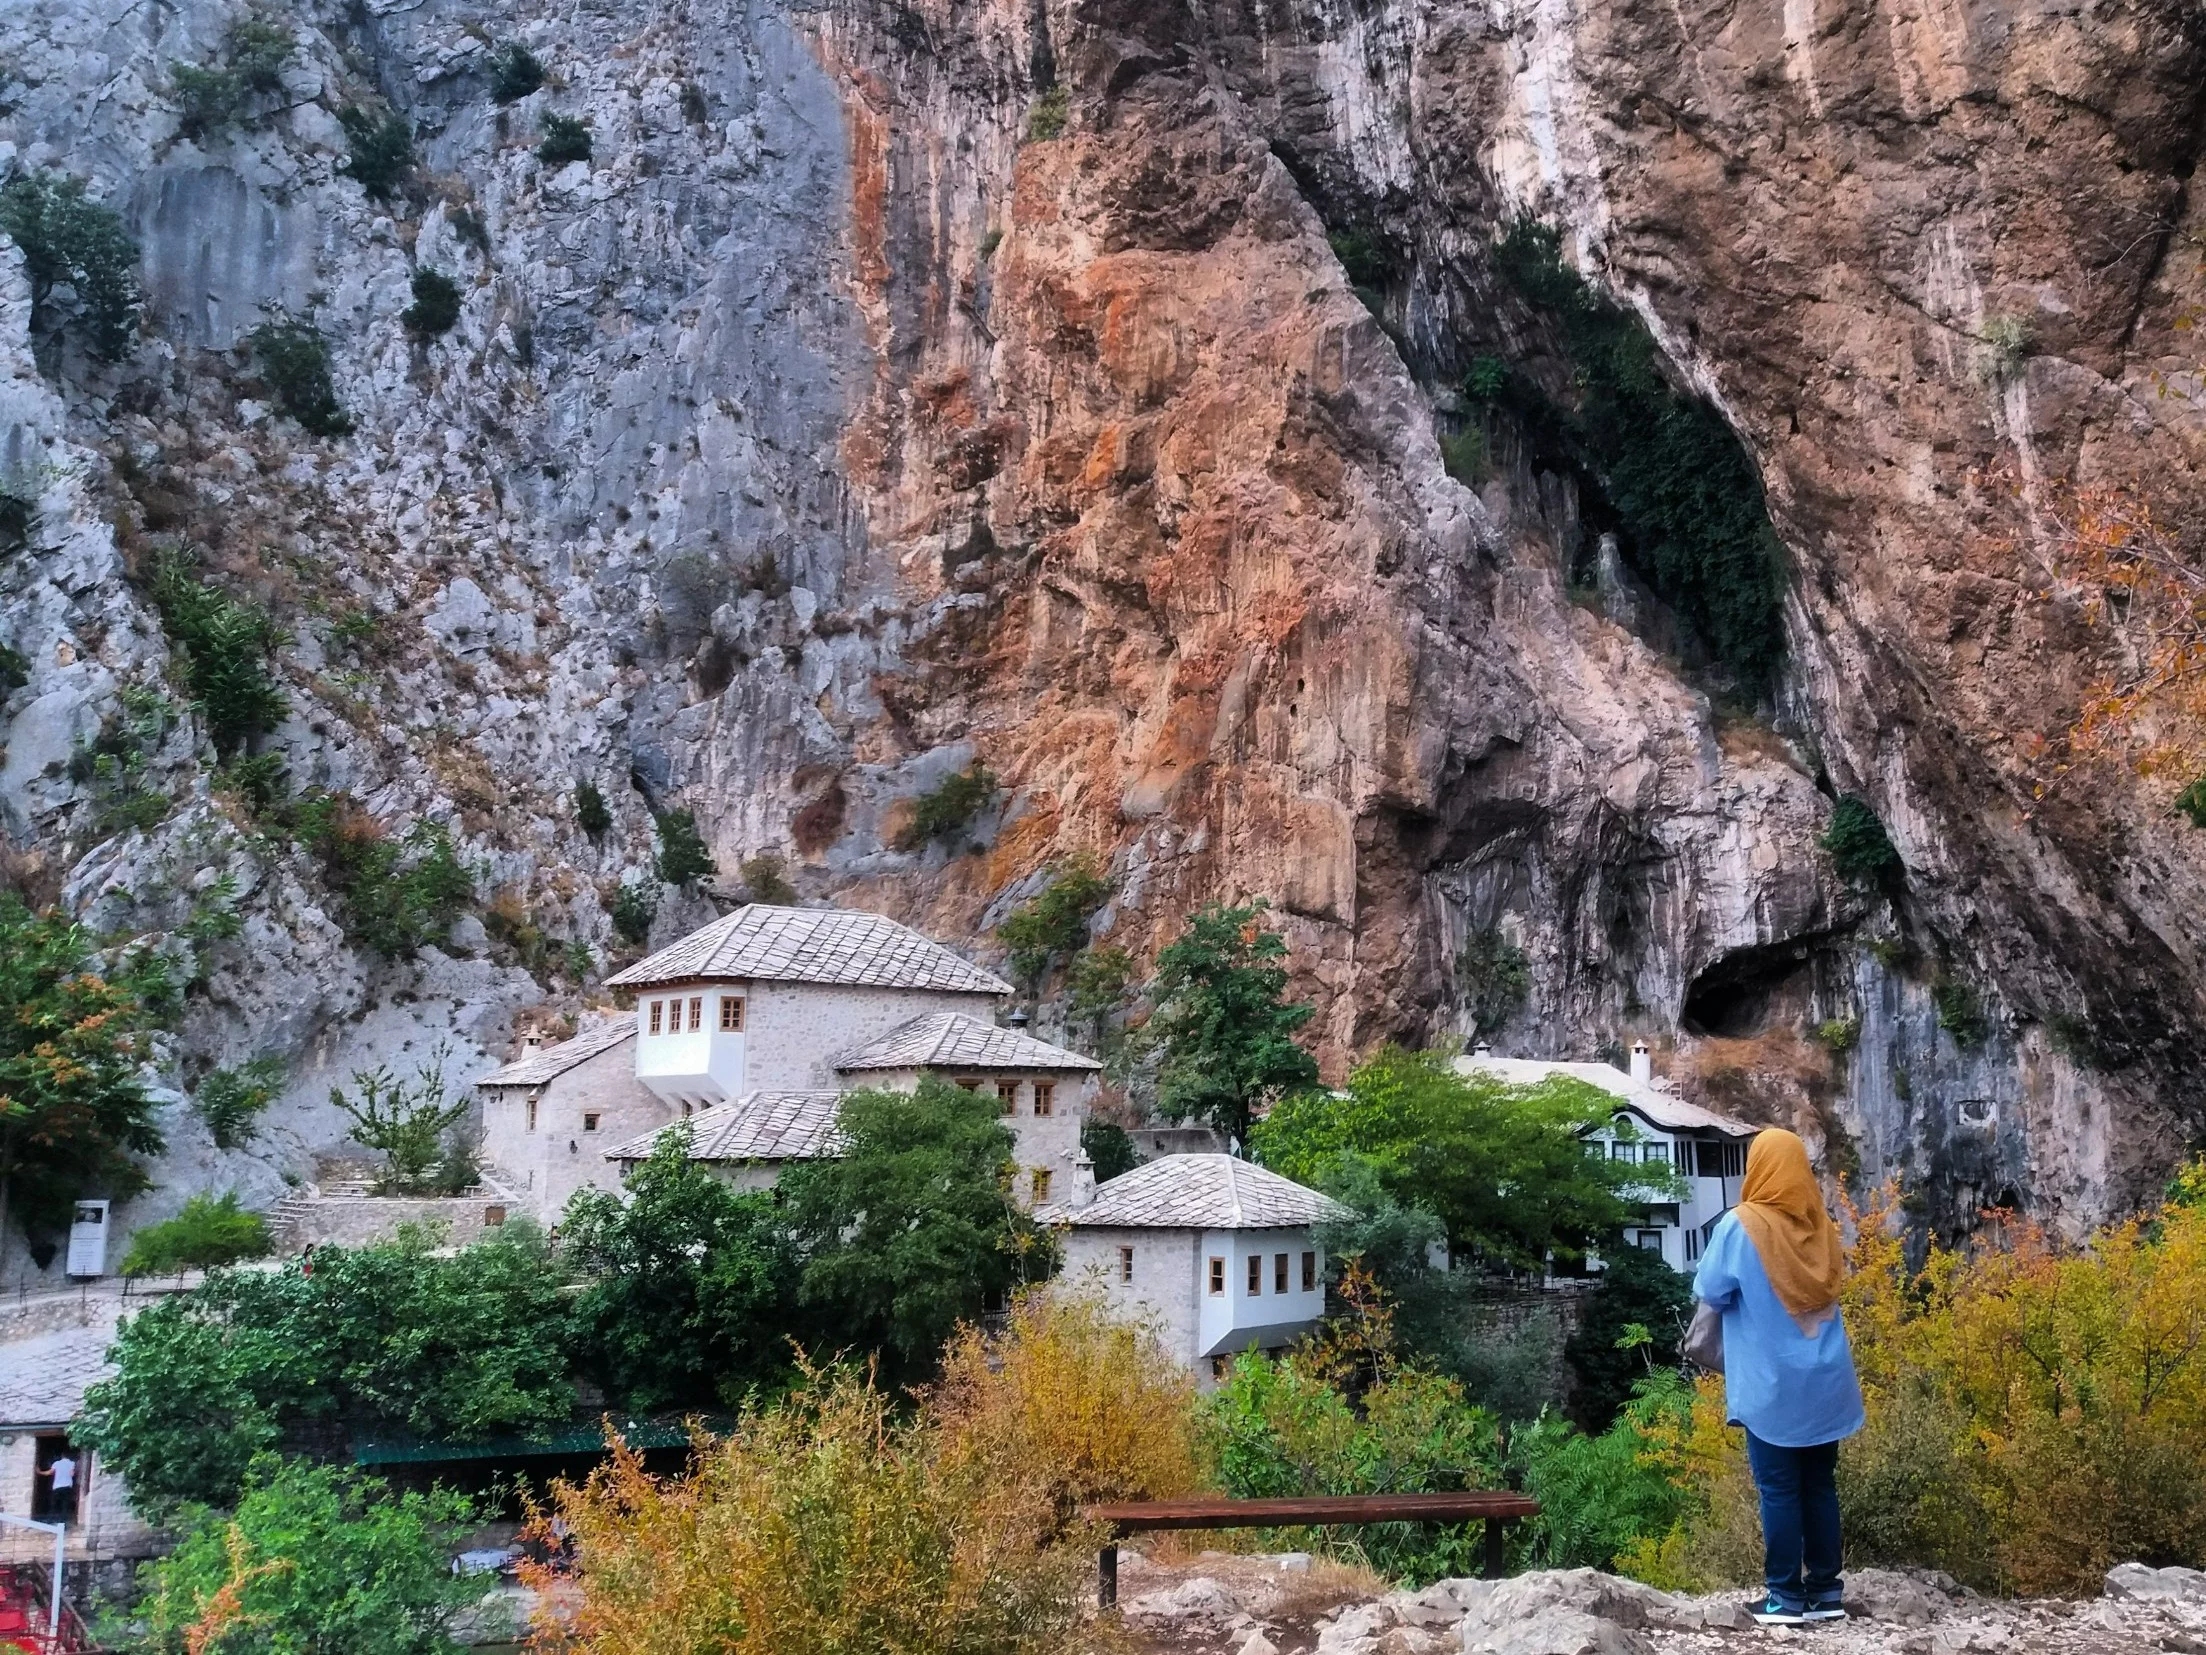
point(835, 424)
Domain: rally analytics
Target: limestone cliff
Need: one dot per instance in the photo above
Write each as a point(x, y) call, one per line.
point(1064, 385)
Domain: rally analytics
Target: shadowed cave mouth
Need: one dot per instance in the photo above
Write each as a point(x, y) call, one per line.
point(1735, 996)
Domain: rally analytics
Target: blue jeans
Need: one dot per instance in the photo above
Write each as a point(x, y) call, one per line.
point(1799, 1489)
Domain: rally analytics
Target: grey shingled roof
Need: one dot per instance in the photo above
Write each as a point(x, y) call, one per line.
point(812, 945)
point(951, 1040)
point(553, 1061)
point(1198, 1192)
point(1663, 1109)
point(758, 1126)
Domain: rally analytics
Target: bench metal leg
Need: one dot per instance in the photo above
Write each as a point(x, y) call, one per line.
point(1497, 1556)
point(1106, 1578)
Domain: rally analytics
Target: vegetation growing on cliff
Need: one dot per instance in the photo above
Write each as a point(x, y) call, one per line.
point(515, 72)
point(294, 359)
point(947, 809)
point(436, 305)
point(1684, 496)
point(1053, 925)
point(399, 891)
point(1494, 977)
point(74, 1113)
point(382, 156)
point(212, 98)
point(683, 858)
point(67, 237)
point(229, 1101)
point(1223, 1029)
point(565, 139)
point(227, 642)
point(1859, 847)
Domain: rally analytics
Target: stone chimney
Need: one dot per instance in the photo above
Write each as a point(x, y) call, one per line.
point(1482, 1049)
point(1083, 1181)
point(531, 1043)
point(1642, 1063)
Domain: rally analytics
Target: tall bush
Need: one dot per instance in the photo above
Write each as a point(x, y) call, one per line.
point(66, 236)
point(227, 643)
point(206, 1234)
point(294, 359)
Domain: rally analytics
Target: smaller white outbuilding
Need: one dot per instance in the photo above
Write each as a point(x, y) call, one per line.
point(1216, 1253)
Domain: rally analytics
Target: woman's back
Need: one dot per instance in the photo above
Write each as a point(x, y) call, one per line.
point(1787, 1387)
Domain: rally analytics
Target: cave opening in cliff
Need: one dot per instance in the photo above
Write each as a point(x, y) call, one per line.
point(1738, 995)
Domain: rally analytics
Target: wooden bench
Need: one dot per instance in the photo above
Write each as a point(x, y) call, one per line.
point(1494, 1509)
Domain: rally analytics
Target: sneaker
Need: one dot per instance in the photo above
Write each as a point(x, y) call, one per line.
point(1775, 1611)
point(1825, 1609)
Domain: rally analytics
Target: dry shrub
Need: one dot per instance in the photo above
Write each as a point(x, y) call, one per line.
point(2036, 1411)
point(1094, 1405)
point(823, 1526)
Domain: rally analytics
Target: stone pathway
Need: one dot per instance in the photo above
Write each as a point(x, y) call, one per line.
point(1219, 1604)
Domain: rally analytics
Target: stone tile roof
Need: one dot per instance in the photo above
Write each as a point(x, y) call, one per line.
point(43, 1378)
point(952, 1040)
point(1198, 1192)
point(1660, 1108)
point(758, 1126)
point(812, 945)
point(535, 1068)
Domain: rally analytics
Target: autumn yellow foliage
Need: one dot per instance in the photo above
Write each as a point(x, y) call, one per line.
point(2036, 1411)
point(840, 1522)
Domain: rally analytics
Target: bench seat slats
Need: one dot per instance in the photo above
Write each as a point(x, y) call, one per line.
point(1133, 1515)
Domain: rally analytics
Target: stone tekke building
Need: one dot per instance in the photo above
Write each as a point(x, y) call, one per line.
point(752, 1029)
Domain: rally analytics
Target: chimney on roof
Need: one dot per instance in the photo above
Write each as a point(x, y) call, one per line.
point(1642, 1063)
point(531, 1044)
point(1482, 1049)
point(1083, 1181)
point(1017, 1019)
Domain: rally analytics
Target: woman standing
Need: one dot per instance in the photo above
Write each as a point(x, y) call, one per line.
point(1772, 1270)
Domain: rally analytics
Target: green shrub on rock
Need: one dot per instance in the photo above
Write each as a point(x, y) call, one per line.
point(294, 359)
point(66, 237)
point(515, 72)
point(683, 858)
point(226, 643)
point(207, 1234)
point(1859, 847)
point(382, 155)
point(436, 305)
point(565, 139)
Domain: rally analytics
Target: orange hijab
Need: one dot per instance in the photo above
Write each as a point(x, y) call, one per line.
point(1782, 1208)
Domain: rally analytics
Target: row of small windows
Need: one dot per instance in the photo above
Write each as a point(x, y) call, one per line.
point(1256, 1272)
point(665, 1016)
point(1693, 1158)
point(1007, 1094)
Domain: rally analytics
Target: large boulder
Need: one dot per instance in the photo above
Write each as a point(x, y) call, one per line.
point(2136, 1583)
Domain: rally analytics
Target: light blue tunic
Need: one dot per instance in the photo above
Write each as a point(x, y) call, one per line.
point(1785, 1387)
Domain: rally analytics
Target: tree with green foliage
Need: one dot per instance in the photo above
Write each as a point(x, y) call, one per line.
point(403, 1120)
point(515, 72)
point(766, 879)
point(208, 1233)
point(692, 1285)
point(1494, 977)
point(1603, 1495)
point(1109, 1146)
point(226, 643)
point(1046, 120)
point(66, 237)
point(74, 1114)
point(635, 906)
point(1097, 987)
point(1858, 846)
point(294, 359)
point(590, 812)
point(316, 1560)
point(1054, 923)
point(382, 157)
point(947, 809)
point(212, 98)
point(683, 858)
point(1688, 503)
point(391, 1338)
point(913, 1228)
point(231, 1100)
point(1631, 1327)
point(436, 305)
point(1504, 1167)
point(566, 139)
point(1223, 1026)
point(399, 893)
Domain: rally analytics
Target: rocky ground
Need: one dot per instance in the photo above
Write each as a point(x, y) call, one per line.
point(1290, 1604)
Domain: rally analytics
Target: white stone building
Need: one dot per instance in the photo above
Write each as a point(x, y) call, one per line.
point(1707, 1150)
point(1214, 1252)
point(752, 1029)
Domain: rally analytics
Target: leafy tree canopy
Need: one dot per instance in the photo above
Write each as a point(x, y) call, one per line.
point(1224, 1027)
point(693, 1285)
point(1632, 1325)
point(389, 1338)
point(208, 1233)
point(315, 1561)
point(1109, 1146)
point(74, 1116)
point(914, 1229)
point(1503, 1167)
point(1055, 922)
point(66, 236)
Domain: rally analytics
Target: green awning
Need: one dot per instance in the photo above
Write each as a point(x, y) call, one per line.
point(578, 1439)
